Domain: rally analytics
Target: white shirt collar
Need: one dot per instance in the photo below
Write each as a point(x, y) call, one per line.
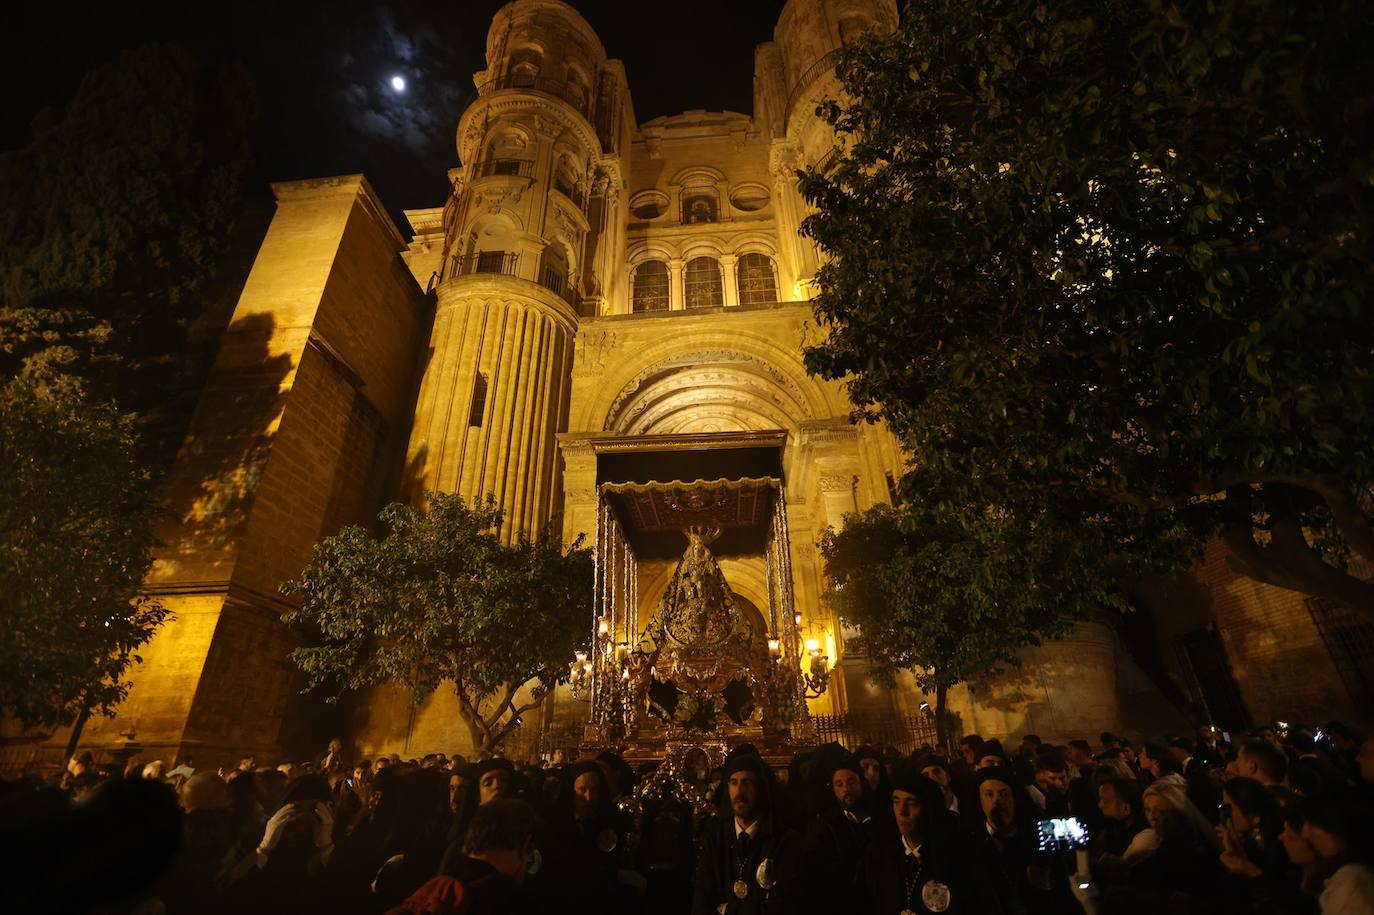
point(751, 831)
point(913, 850)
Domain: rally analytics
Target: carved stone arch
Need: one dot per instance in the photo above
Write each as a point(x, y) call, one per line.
point(507, 134)
point(754, 243)
point(704, 246)
point(651, 250)
point(700, 175)
point(783, 365)
point(680, 392)
point(494, 219)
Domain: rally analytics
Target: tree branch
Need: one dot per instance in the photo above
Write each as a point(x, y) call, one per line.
point(1289, 562)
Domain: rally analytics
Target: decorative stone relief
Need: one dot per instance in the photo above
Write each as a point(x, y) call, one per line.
point(840, 483)
point(784, 158)
point(593, 348)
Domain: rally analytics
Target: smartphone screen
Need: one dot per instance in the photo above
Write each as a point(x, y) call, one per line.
point(1062, 834)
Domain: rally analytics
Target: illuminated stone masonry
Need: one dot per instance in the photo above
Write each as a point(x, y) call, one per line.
point(600, 305)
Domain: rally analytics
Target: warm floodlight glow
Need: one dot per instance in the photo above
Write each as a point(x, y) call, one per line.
point(813, 646)
point(398, 83)
point(774, 646)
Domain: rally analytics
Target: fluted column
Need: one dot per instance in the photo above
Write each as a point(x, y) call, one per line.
point(515, 343)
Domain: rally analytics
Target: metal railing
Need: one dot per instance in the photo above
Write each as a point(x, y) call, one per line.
point(907, 733)
point(558, 283)
point(519, 168)
point(501, 262)
point(568, 92)
point(826, 63)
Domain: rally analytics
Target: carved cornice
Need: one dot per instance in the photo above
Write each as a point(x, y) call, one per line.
point(355, 186)
point(828, 431)
point(603, 443)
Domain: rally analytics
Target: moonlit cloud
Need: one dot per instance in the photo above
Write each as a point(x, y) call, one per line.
point(383, 97)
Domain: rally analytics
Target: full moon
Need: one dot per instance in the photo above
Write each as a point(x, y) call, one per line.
point(398, 83)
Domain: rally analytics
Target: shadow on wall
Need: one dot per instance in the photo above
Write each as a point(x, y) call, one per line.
point(210, 491)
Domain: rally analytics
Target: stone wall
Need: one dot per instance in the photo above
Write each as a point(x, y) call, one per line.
point(313, 380)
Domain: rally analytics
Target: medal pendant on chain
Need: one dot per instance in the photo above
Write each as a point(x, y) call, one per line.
point(741, 889)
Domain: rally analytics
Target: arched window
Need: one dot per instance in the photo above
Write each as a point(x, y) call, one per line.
point(524, 67)
point(699, 207)
point(758, 283)
point(702, 284)
point(478, 406)
point(650, 287)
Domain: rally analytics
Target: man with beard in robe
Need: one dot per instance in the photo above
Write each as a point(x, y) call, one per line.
point(748, 861)
point(1004, 832)
point(836, 838)
point(586, 844)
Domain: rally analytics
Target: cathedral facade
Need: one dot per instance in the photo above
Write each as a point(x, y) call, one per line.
point(600, 302)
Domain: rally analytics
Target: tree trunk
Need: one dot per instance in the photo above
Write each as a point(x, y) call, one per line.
point(941, 724)
point(75, 738)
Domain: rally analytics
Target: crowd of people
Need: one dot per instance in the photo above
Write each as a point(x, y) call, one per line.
point(1278, 821)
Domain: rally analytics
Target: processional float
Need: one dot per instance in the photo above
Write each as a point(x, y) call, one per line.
point(701, 671)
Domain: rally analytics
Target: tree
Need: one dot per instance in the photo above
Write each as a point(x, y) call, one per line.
point(951, 602)
point(123, 208)
point(439, 598)
point(76, 515)
point(1108, 265)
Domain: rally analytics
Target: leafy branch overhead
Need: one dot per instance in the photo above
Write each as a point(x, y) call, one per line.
point(439, 597)
point(1106, 267)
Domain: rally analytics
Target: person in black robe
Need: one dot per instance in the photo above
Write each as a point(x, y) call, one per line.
point(1004, 836)
point(836, 837)
point(922, 863)
point(585, 846)
point(749, 861)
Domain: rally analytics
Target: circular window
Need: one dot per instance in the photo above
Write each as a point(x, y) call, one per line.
point(648, 205)
point(748, 198)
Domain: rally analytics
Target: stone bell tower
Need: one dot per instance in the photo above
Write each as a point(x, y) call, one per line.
point(792, 73)
point(529, 237)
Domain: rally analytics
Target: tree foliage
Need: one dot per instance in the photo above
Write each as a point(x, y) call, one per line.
point(120, 212)
point(76, 517)
point(953, 602)
point(1106, 267)
point(114, 221)
point(440, 598)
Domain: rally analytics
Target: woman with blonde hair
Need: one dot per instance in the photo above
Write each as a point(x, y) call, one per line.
point(1186, 862)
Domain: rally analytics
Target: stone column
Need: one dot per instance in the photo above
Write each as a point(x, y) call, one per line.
point(518, 338)
point(727, 267)
point(677, 297)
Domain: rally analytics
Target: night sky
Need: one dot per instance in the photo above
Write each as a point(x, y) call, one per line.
point(324, 70)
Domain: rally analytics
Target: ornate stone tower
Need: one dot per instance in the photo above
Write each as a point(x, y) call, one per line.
point(791, 74)
point(530, 235)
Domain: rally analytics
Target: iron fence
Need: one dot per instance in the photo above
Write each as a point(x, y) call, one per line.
point(573, 93)
point(905, 732)
point(517, 168)
point(503, 262)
